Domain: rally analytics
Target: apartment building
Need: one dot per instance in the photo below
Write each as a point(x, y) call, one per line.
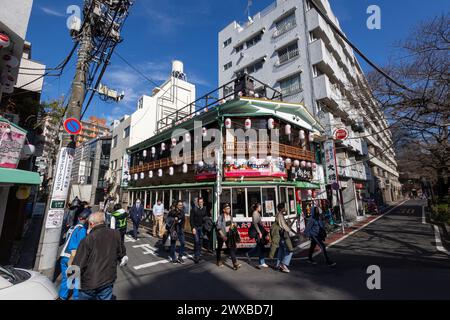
point(291, 47)
point(92, 128)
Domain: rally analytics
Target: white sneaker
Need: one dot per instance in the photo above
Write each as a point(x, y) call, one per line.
point(263, 265)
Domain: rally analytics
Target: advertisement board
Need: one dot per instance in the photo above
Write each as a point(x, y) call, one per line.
point(12, 140)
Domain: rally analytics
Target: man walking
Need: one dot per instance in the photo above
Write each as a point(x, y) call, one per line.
point(158, 213)
point(119, 221)
point(175, 224)
point(97, 257)
point(197, 219)
point(136, 214)
point(74, 236)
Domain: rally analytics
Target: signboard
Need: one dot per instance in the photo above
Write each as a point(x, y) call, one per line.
point(12, 141)
point(125, 171)
point(60, 188)
point(254, 168)
point(72, 126)
point(340, 134)
point(39, 209)
point(330, 162)
point(243, 228)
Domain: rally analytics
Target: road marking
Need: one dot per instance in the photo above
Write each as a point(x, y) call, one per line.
point(437, 237)
point(423, 215)
point(129, 239)
point(148, 249)
point(150, 264)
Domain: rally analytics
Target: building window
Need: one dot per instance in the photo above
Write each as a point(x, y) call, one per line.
point(227, 42)
point(254, 40)
point(115, 164)
point(227, 66)
point(284, 25)
point(126, 132)
point(287, 53)
point(239, 48)
point(255, 67)
point(141, 103)
point(227, 91)
point(291, 85)
point(308, 5)
point(312, 36)
point(114, 142)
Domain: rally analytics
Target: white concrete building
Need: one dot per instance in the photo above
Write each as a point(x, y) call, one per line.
point(172, 95)
point(290, 47)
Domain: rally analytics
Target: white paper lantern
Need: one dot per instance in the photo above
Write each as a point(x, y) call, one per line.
point(240, 94)
point(314, 165)
point(287, 129)
point(288, 161)
point(206, 110)
point(270, 123)
point(201, 164)
point(308, 164)
point(303, 164)
point(309, 193)
point(144, 153)
point(269, 158)
point(228, 123)
point(153, 150)
point(142, 175)
point(302, 134)
point(150, 174)
point(310, 137)
point(160, 172)
point(187, 137)
point(174, 141)
point(163, 146)
point(256, 95)
point(204, 132)
point(253, 160)
point(222, 101)
point(185, 168)
point(10, 61)
point(135, 176)
point(296, 163)
point(229, 159)
point(248, 124)
point(197, 113)
point(171, 171)
point(4, 40)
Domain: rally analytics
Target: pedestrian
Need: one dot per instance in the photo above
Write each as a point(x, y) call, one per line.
point(109, 208)
point(281, 241)
point(158, 222)
point(175, 225)
point(97, 257)
point(136, 214)
point(197, 220)
point(315, 230)
point(260, 234)
point(119, 221)
point(226, 233)
point(74, 236)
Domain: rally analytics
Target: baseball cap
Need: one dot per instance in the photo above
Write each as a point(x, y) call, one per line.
point(226, 205)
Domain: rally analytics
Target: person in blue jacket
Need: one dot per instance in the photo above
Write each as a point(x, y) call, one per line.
point(136, 214)
point(73, 239)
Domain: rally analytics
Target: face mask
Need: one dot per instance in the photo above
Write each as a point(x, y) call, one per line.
point(138, 203)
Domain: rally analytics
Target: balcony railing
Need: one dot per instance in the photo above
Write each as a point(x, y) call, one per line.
point(241, 148)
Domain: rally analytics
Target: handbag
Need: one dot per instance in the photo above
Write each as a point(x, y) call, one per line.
point(173, 234)
point(208, 224)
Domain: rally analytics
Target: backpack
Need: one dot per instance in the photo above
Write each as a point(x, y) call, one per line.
point(208, 223)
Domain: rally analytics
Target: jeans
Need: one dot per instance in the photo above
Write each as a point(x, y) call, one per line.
point(284, 256)
point(198, 242)
point(63, 289)
point(102, 293)
point(316, 241)
point(259, 248)
point(135, 228)
point(220, 243)
point(173, 245)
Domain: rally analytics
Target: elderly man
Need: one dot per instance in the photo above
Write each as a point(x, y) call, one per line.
point(97, 257)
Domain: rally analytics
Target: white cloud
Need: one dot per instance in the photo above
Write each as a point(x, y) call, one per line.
point(52, 12)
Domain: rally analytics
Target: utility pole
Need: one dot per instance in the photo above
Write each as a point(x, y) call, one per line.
point(98, 36)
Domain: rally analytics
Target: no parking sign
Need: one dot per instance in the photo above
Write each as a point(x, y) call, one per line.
point(72, 126)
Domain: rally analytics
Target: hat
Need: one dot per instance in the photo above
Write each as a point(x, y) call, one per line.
point(84, 214)
point(226, 205)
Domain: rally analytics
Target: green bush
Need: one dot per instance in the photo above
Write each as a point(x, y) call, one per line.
point(441, 212)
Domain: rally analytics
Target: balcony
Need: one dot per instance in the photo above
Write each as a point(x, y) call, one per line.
point(325, 91)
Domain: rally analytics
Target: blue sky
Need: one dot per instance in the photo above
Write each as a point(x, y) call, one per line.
point(159, 31)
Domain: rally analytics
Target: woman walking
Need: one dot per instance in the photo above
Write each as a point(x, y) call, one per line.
point(281, 240)
point(315, 229)
point(258, 233)
point(227, 233)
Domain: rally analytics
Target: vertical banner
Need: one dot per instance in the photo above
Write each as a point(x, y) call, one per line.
point(330, 163)
point(60, 188)
point(125, 171)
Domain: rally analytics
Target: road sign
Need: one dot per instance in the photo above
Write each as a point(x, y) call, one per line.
point(340, 134)
point(72, 126)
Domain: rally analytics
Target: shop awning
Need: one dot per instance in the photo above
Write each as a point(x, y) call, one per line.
point(16, 176)
point(307, 185)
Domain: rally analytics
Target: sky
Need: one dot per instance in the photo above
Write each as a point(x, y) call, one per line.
point(159, 31)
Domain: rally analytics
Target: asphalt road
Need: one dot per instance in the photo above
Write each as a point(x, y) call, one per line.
point(400, 244)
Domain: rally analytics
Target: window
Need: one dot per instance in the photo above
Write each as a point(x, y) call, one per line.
point(287, 53)
point(254, 40)
point(308, 5)
point(255, 67)
point(312, 36)
point(227, 91)
point(114, 142)
point(291, 85)
point(227, 66)
point(239, 48)
point(238, 202)
point(141, 103)
point(126, 132)
point(286, 24)
point(227, 42)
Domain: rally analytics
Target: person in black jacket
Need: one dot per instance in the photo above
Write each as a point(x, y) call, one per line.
point(175, 226)
point(97, 257)
point(197, 219)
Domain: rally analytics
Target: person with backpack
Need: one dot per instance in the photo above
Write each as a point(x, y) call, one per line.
point(281, 241)
point(260, 234)
point(315, 230)
point(119, 221)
